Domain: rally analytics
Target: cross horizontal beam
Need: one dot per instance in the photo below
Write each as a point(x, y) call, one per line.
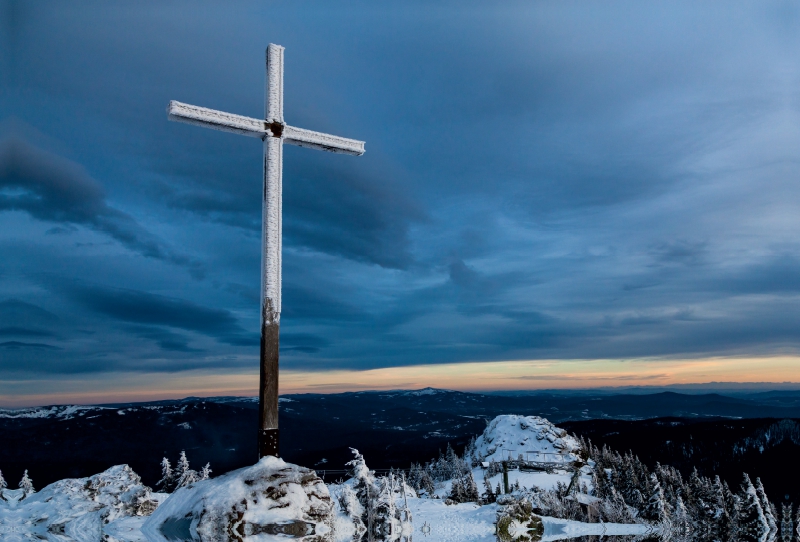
point(218, 120)
point(239, 124)
point(325, 142)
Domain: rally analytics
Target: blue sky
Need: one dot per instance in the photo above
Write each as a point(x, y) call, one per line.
point(543, 181)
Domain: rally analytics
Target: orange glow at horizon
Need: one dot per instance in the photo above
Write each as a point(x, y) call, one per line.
point(477, 376)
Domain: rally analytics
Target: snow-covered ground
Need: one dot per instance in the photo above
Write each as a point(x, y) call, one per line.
point(526, 480)
point(114, 506)
point(466, 522)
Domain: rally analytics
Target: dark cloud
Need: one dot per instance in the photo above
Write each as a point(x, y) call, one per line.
point(145, 308)
point(17, 345)
point(306, 303)
point(302, 342)
point(15, 312)
point(166, 339)
point(52, 189)
point(541, 181)
point(341, 209)
point(23, 332)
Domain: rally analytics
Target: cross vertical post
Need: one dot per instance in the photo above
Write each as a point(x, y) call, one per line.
point(271, 236)
point(274, 132)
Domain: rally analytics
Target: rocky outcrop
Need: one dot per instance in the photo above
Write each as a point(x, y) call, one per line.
point(270, 498)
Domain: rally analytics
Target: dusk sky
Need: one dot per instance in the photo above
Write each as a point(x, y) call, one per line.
point(554, 194)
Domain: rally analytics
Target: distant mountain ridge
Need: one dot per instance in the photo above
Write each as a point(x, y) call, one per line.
point(391, 428)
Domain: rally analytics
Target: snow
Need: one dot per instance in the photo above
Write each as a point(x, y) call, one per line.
point(81, 509)
point(426, 391)
point(455, 523)
point(469, 522)
point(561, 529)
point(506, 437)
point(273, 499)
point(66, 412)
point(271, 496)
point(527, 480)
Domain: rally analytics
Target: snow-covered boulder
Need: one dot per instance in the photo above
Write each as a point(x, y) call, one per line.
point(270, 498)
point(535, 438)
point(77, 508)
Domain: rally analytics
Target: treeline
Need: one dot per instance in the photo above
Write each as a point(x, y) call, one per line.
point(624, 490)
point(448, 467)
point(697, 508)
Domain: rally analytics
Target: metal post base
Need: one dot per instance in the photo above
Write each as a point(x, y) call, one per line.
point(267, 442)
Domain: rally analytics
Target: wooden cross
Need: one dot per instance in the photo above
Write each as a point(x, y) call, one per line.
point(274, 132)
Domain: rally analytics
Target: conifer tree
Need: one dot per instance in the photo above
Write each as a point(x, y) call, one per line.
point(766, 507)
point(184, 474)
point(489, 495)
point(797, 522)
point(787, 525)
point(751, 523)
point(26, 484)
point(681, 524)
point(205, 474)
point(167, 481)
point(3, 483)
point(656, 508)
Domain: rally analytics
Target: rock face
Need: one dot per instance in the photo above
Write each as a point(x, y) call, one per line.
point(271, 499)
point(532, 436)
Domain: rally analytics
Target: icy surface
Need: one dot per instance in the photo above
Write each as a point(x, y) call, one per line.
point(535, 438)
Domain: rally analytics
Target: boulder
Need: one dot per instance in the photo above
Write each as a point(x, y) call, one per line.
point(531, 436)
point(269, 500)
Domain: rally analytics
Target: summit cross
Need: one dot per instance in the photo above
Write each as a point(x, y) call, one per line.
point(274, 132)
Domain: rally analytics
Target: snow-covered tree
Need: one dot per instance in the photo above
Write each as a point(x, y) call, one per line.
point(167, 482)
point(656, 508)
point(787, 525)
point(614, 510)
point(26, 484)
point(382, 514)
point(205, 473)
point(751, 524)
point(797, 522)
point(184, 474)
point(767, 508)
point(681, 523)
point(464, 489)
point(3, 483)
point(420, 479)
point(352, 507)
point(489, 495)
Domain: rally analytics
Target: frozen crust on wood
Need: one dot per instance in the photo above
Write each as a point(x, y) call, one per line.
point(218, 120)
point(324, 142)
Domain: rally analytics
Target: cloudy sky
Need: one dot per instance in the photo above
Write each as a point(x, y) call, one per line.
point(554, 194)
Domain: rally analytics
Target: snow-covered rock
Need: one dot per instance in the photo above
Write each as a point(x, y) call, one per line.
point(271, 497)
point(76, 508)
point(535, 438)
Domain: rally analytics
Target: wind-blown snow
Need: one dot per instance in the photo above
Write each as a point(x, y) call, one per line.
point(506, 437)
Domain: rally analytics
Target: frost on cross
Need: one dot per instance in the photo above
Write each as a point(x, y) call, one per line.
point(274, 132)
